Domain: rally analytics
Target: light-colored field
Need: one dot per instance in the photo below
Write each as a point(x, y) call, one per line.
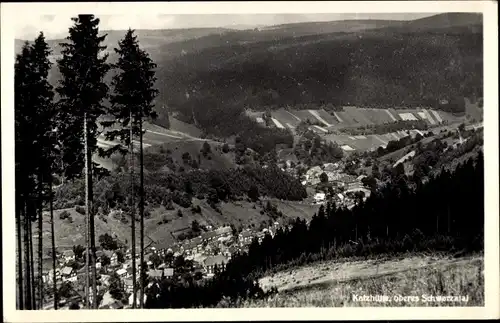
point(338, 117)
point(408, 116)
point(333, 284)
point(277, 123)
point(390, 115)
point(319, 118)
point(437, 116)
point(321, 129)
point(239, 213)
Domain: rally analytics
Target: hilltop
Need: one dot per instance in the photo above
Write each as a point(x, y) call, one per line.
point(338, 62)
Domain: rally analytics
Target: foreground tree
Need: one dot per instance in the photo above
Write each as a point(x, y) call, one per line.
point(82, 90)
point(34, 112)
point(133, 98)
point(22, 166)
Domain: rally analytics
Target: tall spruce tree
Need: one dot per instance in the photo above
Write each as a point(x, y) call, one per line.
point(33, 113)
point(24, 182)
point(131, 102)
point(82, 90)
point(44, 111)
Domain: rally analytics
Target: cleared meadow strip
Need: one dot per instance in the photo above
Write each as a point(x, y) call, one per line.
point(321, 129)
point(293, 115)
point(319, 118)
point(429, 117)
point(164, 134)
point(437, 116)
point(380, 139)
point(337, 116)
point(347, 148)
point(408, 116)
point(278, 124)
point(143, 143)
point(390, 115)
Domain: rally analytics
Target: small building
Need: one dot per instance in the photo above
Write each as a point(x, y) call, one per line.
point(67, 271)
point(208, 236)
point(121, 272)
point(155, 273)
point(319, 198)
point(168, 272)
point(211, 262)
point(245, 236)
point(128, 284)
point(68, 255)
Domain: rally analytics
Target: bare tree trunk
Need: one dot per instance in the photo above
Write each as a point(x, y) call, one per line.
point(53, 241)
point(40, 246)
point(32, 266)
point(92, 235)
point(20, 283)
point(87, 209)
point(26, 219)
point(141, 211)
point(132, 217)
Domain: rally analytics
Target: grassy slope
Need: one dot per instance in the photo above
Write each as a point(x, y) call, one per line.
point(239, 213)
point(332, 284)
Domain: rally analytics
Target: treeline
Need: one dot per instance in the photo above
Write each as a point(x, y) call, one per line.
point(395, 145)
point(380, 129)
point(311, 150)
point(377, 70)
point(162, 188)
point(441, 215)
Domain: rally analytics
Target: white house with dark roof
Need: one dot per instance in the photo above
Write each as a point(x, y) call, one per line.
point(219, 260)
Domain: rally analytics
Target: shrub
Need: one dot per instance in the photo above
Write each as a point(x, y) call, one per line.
point(196, 209)
point(64, 215)
point(179, 213)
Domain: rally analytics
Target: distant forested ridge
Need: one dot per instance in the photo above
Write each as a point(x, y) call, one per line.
point(378, 68)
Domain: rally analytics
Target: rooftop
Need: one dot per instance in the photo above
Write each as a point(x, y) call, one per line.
point(215, 260)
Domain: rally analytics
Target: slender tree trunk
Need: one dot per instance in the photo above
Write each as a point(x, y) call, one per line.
point(92, 235)
point(87, 209)
point(40, 246)
point(132, 218)
point(27, 257)
point(20, 284)
point(32, 266)
point(141, 210)
point(53, 241)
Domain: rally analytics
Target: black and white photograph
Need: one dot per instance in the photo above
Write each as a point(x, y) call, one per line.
point(247, 160)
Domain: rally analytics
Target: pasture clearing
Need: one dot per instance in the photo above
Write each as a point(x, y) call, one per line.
point(315, 114)
point(394, 114)
point(285, 117)
point(277, 123)
point(347, 119)
point(389, 113)
point(358, 115)
point(321, 129)
point(333, 284)
point(437, 116)
point(338, 117)
point(407, 116)
point(429, 118)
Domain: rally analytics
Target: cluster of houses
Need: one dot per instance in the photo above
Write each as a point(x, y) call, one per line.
point(212, 249)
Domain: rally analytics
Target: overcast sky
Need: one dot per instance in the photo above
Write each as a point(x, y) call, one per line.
point(30, 24)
